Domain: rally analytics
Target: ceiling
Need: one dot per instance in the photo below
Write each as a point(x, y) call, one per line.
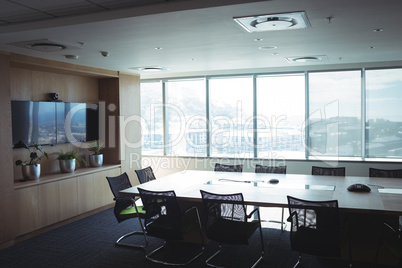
point(200, 37)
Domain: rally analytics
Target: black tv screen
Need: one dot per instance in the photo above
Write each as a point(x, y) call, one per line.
point(33, 122)
point(54, 122)
point(77, 122)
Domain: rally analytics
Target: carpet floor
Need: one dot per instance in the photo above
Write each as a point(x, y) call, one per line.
point(90, 243)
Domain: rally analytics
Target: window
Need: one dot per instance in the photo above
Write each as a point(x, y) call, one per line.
point(186, 118)
point(384, 113)
point(231, 116)
point(152, 117)
point(335, 114)
point(280, 116)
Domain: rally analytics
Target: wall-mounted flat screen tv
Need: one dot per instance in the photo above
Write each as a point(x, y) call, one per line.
point(54, 122)
point(33, 122)
point(77, 122)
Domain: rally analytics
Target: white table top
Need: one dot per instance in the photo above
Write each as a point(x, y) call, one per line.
point(258, 191)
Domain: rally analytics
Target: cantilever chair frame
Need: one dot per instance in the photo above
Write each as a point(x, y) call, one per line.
point(122, 201)
point(247, 216)
point(161, 194)
point(273, 170)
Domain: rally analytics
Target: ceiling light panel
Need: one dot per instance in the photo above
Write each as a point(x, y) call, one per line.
point(274, 22)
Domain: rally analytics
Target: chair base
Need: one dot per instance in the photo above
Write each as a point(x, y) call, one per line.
point(119, 241)
point(207, 262)
point(148, 256)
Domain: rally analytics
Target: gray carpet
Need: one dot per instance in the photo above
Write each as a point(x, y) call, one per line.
point(90, 243)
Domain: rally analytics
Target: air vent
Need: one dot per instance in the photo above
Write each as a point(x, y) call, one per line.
point(274, 22)
point(150, 69)
point(44, 45)
point(307, 59)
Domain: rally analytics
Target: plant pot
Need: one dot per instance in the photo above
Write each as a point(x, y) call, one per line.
point(67, 166)
point(96, 160)
point(30, 172)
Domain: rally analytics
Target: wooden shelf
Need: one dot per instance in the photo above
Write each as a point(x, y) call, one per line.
point(62, 176)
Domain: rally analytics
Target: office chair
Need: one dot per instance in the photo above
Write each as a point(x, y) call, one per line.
point(228, 168)
point(385, 173)
point(391, 233)
point(165, 220)
point(145, 175)
point(315, 227)
point(227, 222)
point(328, 171)
point(125, 208)
point(276, 170)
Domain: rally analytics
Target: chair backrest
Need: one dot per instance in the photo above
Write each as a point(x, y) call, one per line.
point(220, 208)
point(385, 173)
point(340, 171)
point(119, 183)
point(145, 175)
point(315, 226)
point(270, 169)
point(228, 168)
point(162, 214)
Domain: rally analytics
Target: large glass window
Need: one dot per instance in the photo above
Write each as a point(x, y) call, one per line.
point(280, 116)
point(231, 116)
point(335, 114)
point(384, 113)
point(152, 118)
point(186, 117)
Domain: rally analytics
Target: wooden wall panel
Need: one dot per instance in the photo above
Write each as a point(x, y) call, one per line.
point(109, 101)
point(21, 84)
point(6, 167)
point(130, 136)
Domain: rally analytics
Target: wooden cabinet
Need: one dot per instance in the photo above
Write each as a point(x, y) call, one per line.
point(60, 197)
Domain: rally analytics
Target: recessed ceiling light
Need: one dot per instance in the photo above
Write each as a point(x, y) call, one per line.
point(158, 48)
point(378, 30)
point(258, 39)
point(268, 48)
point(71, 57)
point(372, 47)
point(307, 59)
point(274, 22)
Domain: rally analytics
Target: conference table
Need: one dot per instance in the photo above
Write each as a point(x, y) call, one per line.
point(385, 196)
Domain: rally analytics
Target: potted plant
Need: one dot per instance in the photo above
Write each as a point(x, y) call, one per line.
point(96, 158)
point(69, 160)
point(31, 168)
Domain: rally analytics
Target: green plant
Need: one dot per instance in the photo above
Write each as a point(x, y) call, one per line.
point(69, 156)
point(95, 147)
point(35, 154)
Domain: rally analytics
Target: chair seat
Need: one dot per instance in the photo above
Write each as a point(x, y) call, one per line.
point(223, 230)
point(130, 212)
point(316, 242)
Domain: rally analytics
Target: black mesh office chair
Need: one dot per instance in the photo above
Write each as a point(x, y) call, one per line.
point(165, 220)
point(145, 175)
point(385, 173)
point(391, 233)
point(125, 208)
point(276, 170)
point(228, 168)
point(326, 171)
point(227, 221)
point(315, 227)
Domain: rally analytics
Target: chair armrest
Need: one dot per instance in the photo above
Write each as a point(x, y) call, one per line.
point(252, 212)
point(293, 219)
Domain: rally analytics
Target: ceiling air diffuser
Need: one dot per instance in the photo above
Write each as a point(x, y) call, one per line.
point(274, 22)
